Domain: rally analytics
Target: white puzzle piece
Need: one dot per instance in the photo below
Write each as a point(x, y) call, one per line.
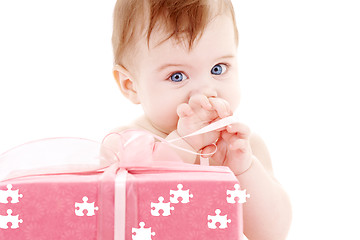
point(90, 207)
point(240, 194)
point(184, 194)
point(218, 219)
point(142, 233)
point(13, 194)
point(155, 207)
point(14, 220)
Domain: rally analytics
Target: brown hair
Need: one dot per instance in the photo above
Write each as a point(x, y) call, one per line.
point(181, 19)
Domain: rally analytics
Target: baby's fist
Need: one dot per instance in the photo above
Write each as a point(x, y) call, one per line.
point(199, 112)
point(233, 148)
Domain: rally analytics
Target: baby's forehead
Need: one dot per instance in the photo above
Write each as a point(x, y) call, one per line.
point(180, 21)
point(214, 46)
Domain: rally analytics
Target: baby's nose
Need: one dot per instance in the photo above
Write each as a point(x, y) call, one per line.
point(208, 91)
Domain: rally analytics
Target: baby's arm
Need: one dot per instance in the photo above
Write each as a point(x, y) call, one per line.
point(269, 207)
point(246, 155)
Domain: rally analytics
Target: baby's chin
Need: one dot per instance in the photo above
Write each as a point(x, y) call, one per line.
point(167, 130)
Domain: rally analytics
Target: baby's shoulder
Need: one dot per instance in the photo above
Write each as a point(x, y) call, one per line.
point(131, 126)
point(122, 129)
point(126, 132)
point(137, 124)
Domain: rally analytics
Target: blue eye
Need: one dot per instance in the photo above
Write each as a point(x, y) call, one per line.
point(178, 77)
point(218, 69)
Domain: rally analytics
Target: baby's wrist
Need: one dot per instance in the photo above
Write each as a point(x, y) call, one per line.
point(182, 143)
point(247, 168)
point(187, 141)
point(188, 145)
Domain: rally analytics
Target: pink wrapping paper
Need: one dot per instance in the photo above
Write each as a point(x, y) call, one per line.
point(65, 189)
point(47, 206)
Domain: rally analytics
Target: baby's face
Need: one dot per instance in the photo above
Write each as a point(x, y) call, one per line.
point(169, 74)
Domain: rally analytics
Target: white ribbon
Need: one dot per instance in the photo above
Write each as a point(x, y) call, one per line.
point(211, 127)
point(120, 205)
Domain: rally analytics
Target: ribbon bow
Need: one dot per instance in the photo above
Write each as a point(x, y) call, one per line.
point(78, 155)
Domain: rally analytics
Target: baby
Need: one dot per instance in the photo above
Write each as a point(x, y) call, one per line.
point(178, 59)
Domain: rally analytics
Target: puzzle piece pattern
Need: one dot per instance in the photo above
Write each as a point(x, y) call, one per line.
point(241, 194)
point(222, 219)
point(14, 220)
point(214, 221)
point(142, 233)
point(90, 207)
point(155, 207)
point(139, 233)
point(184, 194)
point(13, 194)
point(4, 199)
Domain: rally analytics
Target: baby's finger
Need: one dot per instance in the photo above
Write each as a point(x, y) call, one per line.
point(239, 144)
point(200, 100)
point(234, 141)
point(184, 110)
point(229, 138)
point(240, 129)
point(221, 106)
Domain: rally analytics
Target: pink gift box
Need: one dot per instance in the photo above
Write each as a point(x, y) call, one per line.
point(142, 202)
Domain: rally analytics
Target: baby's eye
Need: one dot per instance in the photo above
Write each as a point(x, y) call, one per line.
point(178, 77)
point(218, 69)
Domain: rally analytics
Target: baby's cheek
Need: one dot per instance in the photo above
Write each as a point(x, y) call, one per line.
point(166, 117)
point(233, 97)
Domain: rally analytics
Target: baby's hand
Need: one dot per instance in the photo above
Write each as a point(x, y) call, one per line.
point(233, 148)
point(198, 113)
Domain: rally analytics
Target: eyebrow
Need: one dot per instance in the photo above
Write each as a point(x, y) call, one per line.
point(226, 56)
point(164, 66)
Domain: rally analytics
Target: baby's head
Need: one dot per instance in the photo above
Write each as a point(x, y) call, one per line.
point(167, 50)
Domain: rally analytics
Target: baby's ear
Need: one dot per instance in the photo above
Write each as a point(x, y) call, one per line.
point(126, 83)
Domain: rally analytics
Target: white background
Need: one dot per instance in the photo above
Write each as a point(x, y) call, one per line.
point(299, 64)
